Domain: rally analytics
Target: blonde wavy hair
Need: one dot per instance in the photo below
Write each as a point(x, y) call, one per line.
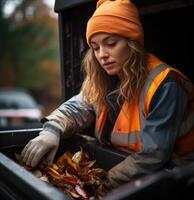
point(97, 83)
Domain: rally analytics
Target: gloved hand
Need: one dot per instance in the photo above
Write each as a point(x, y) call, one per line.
point(122, 172)
point(46, 144)
point(132, 167)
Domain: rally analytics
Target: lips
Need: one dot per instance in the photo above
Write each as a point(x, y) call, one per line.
point(108, 64)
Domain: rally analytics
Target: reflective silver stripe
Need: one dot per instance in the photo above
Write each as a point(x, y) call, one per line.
point(126, 138)
point(153, 74)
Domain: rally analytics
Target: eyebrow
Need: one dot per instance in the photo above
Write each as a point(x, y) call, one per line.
point(104, 39)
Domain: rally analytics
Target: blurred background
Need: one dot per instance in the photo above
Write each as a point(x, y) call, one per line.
point(29, 59)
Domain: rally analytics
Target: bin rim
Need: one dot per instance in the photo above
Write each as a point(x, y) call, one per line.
point(61, 5)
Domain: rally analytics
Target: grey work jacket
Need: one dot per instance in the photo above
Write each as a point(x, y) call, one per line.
point(159, 133)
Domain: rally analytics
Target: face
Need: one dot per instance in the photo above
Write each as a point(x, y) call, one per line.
point(111, 51)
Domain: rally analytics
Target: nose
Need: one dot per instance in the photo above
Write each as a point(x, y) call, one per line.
point(103, 53)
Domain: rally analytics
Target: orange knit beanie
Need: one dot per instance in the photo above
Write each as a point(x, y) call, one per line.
point(119, 17)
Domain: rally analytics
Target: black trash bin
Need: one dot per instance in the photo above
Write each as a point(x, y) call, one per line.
point(18, 184)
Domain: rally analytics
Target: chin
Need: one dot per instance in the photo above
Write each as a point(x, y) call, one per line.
point(111, 73)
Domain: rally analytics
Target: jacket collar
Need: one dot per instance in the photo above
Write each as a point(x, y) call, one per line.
point(153, 61)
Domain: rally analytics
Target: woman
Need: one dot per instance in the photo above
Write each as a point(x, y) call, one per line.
point(139, 102)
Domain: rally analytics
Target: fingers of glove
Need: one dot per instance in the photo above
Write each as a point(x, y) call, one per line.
point(33, 152)
point(36, 155)
point(108, 184)
point(117, 177)
point(27, 151)
point(51, 156)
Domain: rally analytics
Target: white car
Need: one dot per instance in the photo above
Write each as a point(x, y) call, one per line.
point(18, 110)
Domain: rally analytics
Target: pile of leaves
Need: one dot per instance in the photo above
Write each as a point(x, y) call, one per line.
point(76, 175)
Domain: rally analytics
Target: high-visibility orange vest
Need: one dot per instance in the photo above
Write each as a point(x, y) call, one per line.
point(126, 133)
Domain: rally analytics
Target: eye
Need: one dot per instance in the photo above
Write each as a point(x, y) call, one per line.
point(95, 48)
point(111, 43)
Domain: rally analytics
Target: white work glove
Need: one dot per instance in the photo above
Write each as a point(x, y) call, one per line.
point(121, 173)
point(133, 167)
point(45, 145)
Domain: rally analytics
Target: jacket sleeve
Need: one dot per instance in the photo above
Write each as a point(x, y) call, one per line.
point(71, 116)
point(158, 136)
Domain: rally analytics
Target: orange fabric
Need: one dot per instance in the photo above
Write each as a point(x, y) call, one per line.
point(101, 119)
point(153, 61)
point(119, 17)
point(157, 81)
point(123, 124)
point(152, 89)
point(136, 146)
point(184, 144)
